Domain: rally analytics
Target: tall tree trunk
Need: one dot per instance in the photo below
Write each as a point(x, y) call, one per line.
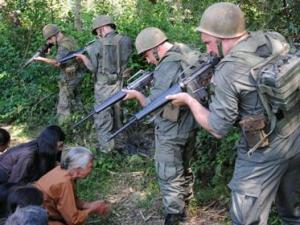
point(77, 16)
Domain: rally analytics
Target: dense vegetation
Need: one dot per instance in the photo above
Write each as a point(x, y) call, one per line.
point(28, 97)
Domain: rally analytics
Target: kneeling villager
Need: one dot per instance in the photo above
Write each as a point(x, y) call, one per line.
point(58, 187)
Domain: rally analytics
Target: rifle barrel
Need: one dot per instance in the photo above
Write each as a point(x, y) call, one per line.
point(121, 129)
point(109, 101)
point(85, 118)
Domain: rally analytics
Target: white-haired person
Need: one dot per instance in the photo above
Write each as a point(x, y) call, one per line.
point(58, 187)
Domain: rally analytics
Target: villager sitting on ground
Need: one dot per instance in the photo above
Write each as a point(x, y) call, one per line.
point(4, 140)
point(58, 187)
point(28, 162)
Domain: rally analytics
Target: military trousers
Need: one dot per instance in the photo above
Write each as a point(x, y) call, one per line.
point(172, 163)
point(257, 184)
point(110, 118)
point(69, 98)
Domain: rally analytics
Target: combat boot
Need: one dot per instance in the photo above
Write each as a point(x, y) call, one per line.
point(175, 219)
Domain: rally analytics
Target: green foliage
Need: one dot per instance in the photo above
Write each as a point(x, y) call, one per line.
point(217, 154)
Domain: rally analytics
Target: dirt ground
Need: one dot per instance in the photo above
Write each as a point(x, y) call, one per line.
point(128, 210)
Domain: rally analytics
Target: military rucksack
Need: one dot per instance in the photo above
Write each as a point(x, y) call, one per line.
point(279, 81)
point(278, 86)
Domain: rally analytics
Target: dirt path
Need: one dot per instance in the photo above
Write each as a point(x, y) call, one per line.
point(131, 206)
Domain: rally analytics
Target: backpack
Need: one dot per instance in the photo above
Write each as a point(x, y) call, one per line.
point(278, 86)
point(279, 81)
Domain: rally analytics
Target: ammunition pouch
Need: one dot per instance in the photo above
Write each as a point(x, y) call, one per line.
point(171, 113)
point(70, 72)
point(254, 130)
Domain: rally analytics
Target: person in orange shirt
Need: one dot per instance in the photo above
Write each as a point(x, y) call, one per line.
point(58, 187)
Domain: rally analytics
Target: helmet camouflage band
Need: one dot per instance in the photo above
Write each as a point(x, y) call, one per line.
point(49, 30)
point(223, 20)
point(149, 38)
point(102, 20)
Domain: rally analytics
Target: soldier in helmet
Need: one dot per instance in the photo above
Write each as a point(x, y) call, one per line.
point(174, 127)
point(107, 60)
point(70, 72)
point(267, 165)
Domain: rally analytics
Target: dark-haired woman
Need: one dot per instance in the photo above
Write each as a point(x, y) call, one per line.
point(27, 162)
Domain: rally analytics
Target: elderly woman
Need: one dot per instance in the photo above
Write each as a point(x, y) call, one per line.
point(58, 187)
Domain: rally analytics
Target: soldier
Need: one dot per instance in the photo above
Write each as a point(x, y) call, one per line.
point(272, 171)
point(174, 127)
point(70, 72)
point(107, 60)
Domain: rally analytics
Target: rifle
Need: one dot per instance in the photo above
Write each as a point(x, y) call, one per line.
point(202, 73)
point(71, 55)
point(144, 78)
point(40, 52)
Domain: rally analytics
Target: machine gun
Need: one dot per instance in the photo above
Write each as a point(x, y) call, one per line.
point(40, 52)
point(201, 74)
point(140, 80)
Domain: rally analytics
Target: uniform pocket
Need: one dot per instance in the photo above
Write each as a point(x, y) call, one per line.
point(165, 171)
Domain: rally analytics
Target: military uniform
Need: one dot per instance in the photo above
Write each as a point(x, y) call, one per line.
point(109, 57)
point(174, 138)
point(70, 78)
point(272, 171)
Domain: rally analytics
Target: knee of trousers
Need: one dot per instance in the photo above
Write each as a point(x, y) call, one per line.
point(245, 209)
point(104, 120)
point(172, 186)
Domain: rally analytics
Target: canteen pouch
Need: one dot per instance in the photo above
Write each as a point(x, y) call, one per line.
point(171, 113)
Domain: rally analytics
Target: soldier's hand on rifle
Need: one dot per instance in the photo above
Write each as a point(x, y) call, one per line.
point(180, 99)
point(83, 58)
point(133, 94)
point(130, 94)
point(46, 60)
point(39, 58)
point(80, 56)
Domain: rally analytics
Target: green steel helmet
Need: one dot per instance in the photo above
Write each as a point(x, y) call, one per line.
point(102, 20)
point(223, 20)
point(149, 38)
point(49, 30)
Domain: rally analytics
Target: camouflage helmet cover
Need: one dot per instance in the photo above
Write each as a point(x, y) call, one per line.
point(49, 30)
point(149, 38)
point(223, 20)
point(102, 20)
